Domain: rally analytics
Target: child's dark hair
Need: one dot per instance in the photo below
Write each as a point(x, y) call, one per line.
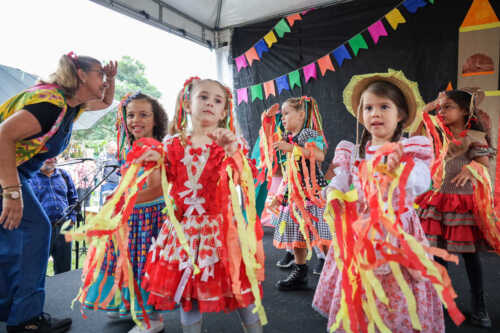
point(463, 100)
point(387, 90)
point(159, 114)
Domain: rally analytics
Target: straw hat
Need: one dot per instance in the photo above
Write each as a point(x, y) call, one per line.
point(359, 83)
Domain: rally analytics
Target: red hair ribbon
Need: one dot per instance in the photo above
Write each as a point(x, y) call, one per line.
point(74, 58)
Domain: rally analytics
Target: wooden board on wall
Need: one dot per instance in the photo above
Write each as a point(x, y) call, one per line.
point(484, 48)
point(482, 42)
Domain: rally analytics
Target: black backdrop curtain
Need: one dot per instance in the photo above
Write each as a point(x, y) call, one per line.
point(425, 48)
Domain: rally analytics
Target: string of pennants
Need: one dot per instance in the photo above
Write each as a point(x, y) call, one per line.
point(265, 43)
point(341, 53)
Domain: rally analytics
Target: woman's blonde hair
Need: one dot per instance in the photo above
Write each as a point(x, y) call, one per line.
point(66, 74)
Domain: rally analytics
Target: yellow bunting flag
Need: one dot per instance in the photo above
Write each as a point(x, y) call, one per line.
point(270, 38)
point(394, 17)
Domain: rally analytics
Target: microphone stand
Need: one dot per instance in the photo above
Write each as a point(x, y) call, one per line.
point(77, 207)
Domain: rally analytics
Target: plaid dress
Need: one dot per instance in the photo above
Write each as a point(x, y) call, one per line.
point(145, 224)
point(290, 236)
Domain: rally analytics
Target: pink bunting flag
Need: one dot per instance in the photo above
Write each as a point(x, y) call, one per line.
point(377, 30)
point(241, 62)
point(269, 88)
point(242, 95)
point(310, 71)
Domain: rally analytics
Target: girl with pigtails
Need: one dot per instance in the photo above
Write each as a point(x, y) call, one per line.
point(208, 256)
point(300, 225)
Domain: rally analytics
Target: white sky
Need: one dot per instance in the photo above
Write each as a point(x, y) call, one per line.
point(35, 33)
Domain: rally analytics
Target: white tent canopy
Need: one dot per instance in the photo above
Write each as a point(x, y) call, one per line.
point(208, 22)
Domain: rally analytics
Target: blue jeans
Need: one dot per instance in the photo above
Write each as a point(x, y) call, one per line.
point(24, 254)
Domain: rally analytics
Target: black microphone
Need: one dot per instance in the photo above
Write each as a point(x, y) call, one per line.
point(74, 161)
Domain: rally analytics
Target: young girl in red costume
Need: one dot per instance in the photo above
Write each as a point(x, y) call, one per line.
point(377, 273)
point(448, 211)
point(207, 257)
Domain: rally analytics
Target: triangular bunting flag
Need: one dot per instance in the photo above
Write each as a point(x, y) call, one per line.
point(309, 71)
point(431, 1)
point(413, 5)
point(270, 39)
point(261, 47)
point(241, 62)
point(294, 79)
point(449, 87)
point(357, 42)
point(292, 18)
point(340, 54)
point(480, 16)
point(394, 18)
point(251, 55)
point(325, 64)
point(281, 28)
point(256, 91)
point(377, 30)
point(282, 83)
point(269, 88)
point(242, 95)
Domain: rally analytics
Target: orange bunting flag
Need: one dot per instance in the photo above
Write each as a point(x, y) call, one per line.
point(292, 18)
point(269, 88)
point(270, 38)
point(251, 55)
point(449, 86)
point(394, 17)
point(325, 64)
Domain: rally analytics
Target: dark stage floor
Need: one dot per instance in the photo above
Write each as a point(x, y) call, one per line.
point(287, 312)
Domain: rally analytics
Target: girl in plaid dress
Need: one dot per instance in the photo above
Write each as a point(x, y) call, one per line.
point(302, 123)
point(140, 116)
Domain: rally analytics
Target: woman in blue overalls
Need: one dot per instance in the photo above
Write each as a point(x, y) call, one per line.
point(34, 126)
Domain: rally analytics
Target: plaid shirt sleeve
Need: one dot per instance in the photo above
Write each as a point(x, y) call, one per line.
point(71, 193)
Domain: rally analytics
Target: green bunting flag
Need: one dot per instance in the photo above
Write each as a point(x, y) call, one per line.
point(294, 79)
point(357, 42)
point(281, 28)
point(256, 91)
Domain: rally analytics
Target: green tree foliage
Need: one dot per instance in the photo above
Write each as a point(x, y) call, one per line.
point(130, 78)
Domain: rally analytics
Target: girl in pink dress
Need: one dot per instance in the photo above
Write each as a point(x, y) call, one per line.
point(386, 105)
